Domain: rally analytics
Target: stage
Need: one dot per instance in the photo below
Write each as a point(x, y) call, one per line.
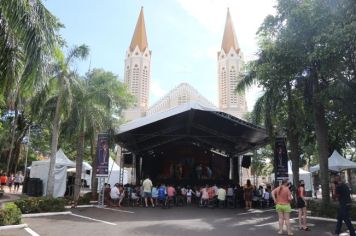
point(189, 144)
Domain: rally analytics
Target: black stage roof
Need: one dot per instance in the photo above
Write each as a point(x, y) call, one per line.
point(193, 124)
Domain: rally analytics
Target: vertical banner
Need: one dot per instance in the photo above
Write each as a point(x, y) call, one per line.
point(103, 155)
point(280, 160)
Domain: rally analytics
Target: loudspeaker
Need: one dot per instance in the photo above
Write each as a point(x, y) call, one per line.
point(128, 158)
point(34, 187)
point(246, 161)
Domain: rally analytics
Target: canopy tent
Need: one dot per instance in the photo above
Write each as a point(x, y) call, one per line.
point(304, 175)
point(40, 169)
point(86, 173)
point(189, 124)
point(336, 163)
point(114, 173)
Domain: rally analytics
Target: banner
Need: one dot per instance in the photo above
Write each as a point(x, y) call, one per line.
point(280, 160)
point(103, 155)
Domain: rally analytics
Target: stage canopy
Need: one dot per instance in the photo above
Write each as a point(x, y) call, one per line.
point(193, 124)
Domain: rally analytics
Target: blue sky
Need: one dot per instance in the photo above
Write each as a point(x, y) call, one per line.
point(184, 36)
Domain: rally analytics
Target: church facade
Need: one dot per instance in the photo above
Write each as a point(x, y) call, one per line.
point(137, 77)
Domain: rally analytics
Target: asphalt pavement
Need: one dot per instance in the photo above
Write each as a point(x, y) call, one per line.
point(188, 220)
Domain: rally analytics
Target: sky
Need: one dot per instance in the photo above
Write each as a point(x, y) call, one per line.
point(183, 35)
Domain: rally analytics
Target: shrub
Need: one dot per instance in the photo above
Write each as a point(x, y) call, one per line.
point(40, 204)
point(28, 205)
point(317, 208)
point(51, 204)
point(85, 200)
point(10, 215)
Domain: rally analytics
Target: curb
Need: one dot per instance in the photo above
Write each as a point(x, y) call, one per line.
point(46, 214)
point(325, 219)
point(20, 226)
point(79, 206)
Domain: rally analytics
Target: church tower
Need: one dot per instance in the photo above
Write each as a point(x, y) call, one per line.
point(137, 70)
point(230, 61)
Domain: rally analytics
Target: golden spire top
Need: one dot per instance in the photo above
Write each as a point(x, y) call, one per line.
point(139, 38)
point(229, 39)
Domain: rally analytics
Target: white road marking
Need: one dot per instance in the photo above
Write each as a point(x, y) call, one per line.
point(254, 212)
point(30, 231)
point(111, 209)
point(45, 214)
point(89, 218)
point(275, 222)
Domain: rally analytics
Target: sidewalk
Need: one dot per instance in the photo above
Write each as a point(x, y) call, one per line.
point(10, 197)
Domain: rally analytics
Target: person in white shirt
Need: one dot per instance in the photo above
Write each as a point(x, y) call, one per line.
point(115, 194)
point(189, 195)
point(147, 190)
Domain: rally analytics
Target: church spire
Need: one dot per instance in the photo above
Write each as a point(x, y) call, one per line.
point(229, 39)
point(139, 38)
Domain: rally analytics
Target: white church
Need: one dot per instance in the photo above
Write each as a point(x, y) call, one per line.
point(137, 77)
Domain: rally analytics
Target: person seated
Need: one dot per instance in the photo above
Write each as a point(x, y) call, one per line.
point(121, 194)
point(107, 190)
point(154, 193)
point(162, 196)
point(115, 194)
point(230, 196)
point(171, 192)
point(266, 197)
point(221, 196)
point(135, 199)
point(204, 196)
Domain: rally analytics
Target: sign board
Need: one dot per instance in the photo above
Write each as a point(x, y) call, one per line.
point(102, 156)
point(280, 160)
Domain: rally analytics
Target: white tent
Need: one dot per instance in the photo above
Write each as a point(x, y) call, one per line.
point(114, 173)
point(40, 169)
point(337, 163)
point(303, 175)
point(87, 172)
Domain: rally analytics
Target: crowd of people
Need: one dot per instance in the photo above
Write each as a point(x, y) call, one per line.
point(232, 196)
point(168, 195)
point(12, 181)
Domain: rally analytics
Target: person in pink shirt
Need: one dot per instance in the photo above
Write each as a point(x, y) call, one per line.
point(282, 197)
point(170, 193)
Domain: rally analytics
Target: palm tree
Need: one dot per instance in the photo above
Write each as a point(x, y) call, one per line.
point(96, 98)
point(53, 102)
point(28, 36)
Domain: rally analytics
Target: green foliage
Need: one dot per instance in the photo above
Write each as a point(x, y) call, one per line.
point(10, 215)
point(318, 208)
point(40, 204)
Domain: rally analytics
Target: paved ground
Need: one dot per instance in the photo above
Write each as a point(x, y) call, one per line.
point(163, 222)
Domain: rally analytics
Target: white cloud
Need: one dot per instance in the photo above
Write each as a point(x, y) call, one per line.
point(247, 16)
point(156, 89)
point(252, 94)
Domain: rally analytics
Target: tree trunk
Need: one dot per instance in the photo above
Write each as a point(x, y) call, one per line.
point(54, 146)
point(94, 180)
point(13, 132)
point(79, 167)
point(293, 135)
point(321, 132)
